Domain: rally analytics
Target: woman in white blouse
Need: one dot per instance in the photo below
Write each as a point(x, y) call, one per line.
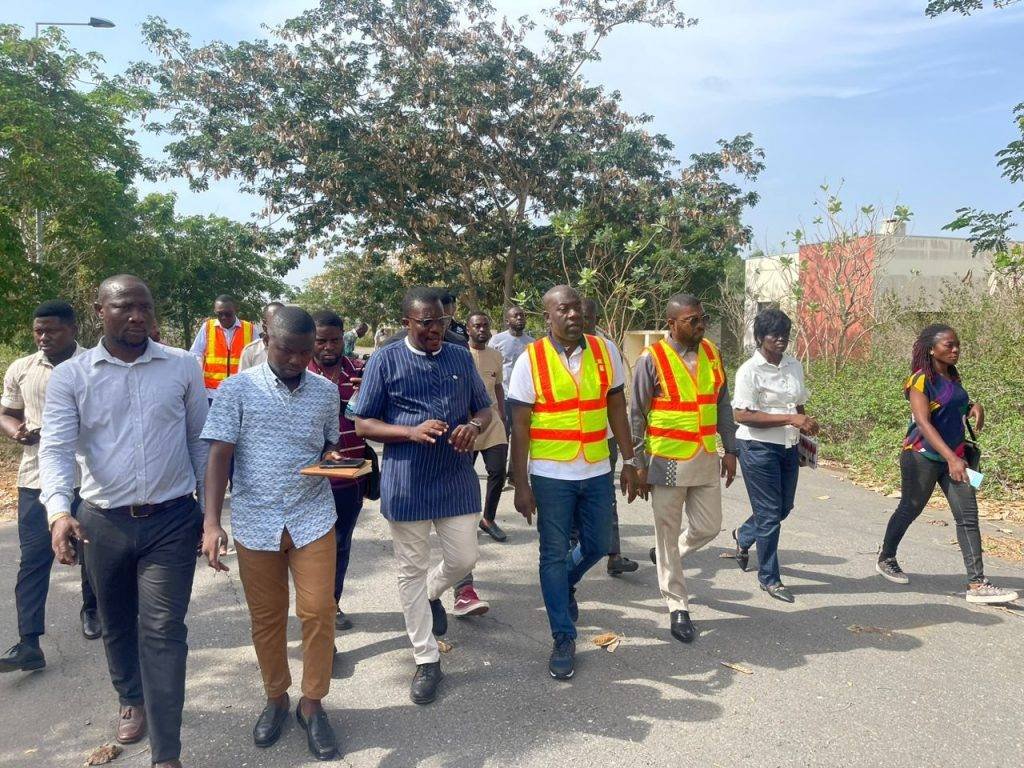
point(768, 405)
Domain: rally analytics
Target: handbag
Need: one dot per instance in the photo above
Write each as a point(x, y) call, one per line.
point(371, 482)
point(972, 451)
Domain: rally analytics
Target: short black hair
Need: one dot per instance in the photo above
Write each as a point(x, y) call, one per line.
point(771, 322)
point(56, 308)
point(328, 317)
point(448, 296)
point(225, 299)
point(270, 304)
point(683, 300)
point(420, 294)
point(292, 320)
point(478, 313)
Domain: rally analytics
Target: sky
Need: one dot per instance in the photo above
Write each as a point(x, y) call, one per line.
point(867, 95)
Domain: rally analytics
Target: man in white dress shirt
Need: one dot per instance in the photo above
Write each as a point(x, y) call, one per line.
point(132, 410)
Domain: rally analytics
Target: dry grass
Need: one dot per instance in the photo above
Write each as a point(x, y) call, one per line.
point(10, 455)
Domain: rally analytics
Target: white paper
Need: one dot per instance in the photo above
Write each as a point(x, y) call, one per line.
point(975, 478)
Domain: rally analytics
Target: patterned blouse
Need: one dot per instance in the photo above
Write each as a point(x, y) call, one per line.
point(948, 403)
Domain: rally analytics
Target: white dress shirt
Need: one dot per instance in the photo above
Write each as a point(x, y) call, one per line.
point(521, 390)
point(134, 426)
point(762, 386)
point(254, 353)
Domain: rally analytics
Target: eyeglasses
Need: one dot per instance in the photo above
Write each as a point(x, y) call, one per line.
point(428, 322)
point(694, 320)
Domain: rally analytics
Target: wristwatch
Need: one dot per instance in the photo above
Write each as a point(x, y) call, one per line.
point(631, 462)
point(476, 423)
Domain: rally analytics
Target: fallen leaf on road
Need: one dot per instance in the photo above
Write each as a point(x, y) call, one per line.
point(609, 641)
point(1003, 546)
point(943, 523)
point(861, 629)
point(443, 647)
point(103, 755)
point(31, 751)
point(823, 498)
point(737, 667)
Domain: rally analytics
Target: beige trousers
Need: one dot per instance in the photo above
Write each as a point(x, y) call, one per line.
point(702, 503)
point(418, 583)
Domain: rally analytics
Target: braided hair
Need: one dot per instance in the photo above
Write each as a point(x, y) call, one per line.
point(921, 358)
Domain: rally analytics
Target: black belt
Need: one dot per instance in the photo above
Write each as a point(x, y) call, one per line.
point(146, 510)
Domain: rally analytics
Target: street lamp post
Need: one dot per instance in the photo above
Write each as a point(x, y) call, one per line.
point(97, 23)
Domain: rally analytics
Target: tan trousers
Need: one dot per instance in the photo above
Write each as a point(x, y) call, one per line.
point(418, 583)
point(702, 502)
point(264, 578)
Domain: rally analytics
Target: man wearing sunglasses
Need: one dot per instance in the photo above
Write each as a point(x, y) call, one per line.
point(424, 399)
point(680, 402)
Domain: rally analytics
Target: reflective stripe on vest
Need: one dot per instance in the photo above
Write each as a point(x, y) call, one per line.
point(684, 416)
point(219, 360)
point(568, 418)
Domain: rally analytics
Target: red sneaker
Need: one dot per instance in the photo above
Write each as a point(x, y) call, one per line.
point(468, 603)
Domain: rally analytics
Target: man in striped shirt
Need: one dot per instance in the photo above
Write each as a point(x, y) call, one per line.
point(425, 401)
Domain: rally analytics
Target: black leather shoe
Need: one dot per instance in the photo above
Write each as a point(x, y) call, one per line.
point(269, 724)
point(654, 556)
point(779, 591)
point(440, 618)
point(574, 608)
point(618, 565)
point(562, 663)
point(319, 735)
point(682, 628)
point(22, 657)
point(742, 555)
point(493, 530)
point(341, 621)
point(424, 683)
point(90, 624)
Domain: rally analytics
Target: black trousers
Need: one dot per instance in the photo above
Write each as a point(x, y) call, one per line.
point(33, 582)
point(142, 571)
point(348, 502)
point(496, 463)
point(918, 477)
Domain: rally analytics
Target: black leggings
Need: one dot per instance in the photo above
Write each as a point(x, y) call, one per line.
point(918, 478)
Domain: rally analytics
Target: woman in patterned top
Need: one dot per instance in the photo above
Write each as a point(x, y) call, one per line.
point(933, 453)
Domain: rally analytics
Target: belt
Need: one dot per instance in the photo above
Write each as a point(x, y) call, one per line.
point(146, 510)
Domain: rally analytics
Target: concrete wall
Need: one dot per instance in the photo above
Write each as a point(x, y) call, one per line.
point(916, 269)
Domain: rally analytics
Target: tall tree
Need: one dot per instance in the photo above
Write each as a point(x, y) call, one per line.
point(991, 231)
point(67, 156)
point(431, 129)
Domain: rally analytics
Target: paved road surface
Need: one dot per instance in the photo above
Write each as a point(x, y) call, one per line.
point(940, 685)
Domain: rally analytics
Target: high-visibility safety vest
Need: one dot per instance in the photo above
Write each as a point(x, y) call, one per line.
point(567, 417)
point(684, 416)
point(219, 359)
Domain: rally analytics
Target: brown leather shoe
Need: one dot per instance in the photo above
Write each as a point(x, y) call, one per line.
point(131, 724)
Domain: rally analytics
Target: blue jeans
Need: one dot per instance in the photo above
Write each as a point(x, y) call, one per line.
point(560, 504)
point(770, 472)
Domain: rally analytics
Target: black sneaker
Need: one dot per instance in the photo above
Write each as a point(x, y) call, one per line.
point(563, 658)
point(440, 618)
point(890, 570)
point(22, 657)
point(424, 683)
point(341, 621)
point(574, 608)
point(618, 565)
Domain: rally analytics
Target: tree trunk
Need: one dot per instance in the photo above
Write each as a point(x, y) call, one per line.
point(513, 250)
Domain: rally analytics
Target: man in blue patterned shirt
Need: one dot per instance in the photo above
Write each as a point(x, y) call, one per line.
point(274, 420)
point(426, 402)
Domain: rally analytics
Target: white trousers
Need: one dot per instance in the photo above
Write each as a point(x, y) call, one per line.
point(418, 582)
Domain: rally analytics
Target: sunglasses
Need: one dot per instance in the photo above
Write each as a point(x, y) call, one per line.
point(428, 322)
point(695, 320)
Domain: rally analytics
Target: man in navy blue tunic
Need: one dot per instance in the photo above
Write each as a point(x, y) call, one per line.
point(425, 401)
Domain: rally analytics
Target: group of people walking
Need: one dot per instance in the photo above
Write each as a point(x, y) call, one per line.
point(129, 449)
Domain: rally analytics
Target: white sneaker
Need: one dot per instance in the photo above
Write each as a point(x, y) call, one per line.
point(985, 592)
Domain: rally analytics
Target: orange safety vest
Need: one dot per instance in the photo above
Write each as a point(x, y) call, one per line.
point(684, 416)
point(219, 360)
point(568, 417)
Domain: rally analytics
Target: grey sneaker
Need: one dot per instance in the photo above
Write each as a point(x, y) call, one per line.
point(985, 592)
point(891, 571)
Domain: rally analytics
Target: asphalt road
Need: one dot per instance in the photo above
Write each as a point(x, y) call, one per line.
point(929, 681)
